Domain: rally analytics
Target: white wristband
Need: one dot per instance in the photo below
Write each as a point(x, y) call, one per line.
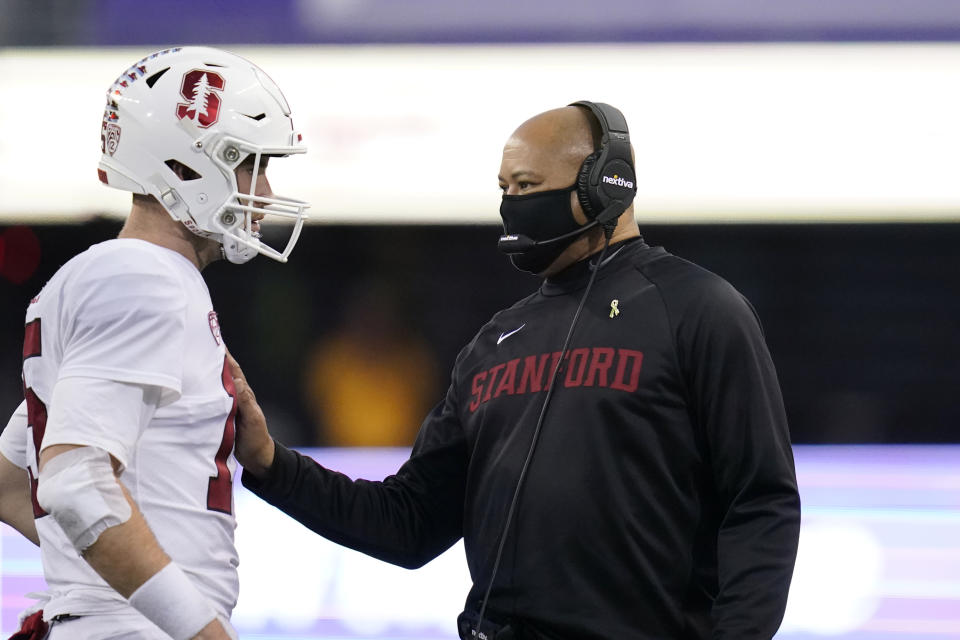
point(170, 601)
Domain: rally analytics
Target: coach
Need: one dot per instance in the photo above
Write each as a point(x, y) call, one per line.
point(612, 449)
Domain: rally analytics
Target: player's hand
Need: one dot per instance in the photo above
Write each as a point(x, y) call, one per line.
point(254, 446)
point(213, 631)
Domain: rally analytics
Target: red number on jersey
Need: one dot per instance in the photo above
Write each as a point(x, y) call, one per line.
point(220, 487)
point(36, 410)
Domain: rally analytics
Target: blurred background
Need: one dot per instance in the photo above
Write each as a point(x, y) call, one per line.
point(806, 152)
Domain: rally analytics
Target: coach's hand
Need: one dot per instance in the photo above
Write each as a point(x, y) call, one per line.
point(254, 447)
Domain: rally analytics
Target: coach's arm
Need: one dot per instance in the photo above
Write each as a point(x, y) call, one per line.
point(407, 519)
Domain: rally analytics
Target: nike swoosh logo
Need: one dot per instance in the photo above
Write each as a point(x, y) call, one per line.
point(504, 336)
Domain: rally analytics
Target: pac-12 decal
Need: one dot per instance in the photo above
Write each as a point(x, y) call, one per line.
point(214, 326)
point(200, 88)
point(110, 138)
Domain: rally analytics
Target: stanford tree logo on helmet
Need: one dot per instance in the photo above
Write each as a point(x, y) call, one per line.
point(200, 87)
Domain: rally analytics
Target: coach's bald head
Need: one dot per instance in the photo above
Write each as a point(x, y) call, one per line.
point(546, 153)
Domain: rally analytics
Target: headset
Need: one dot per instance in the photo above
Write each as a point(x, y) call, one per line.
point(606, 185)
point(606, 182)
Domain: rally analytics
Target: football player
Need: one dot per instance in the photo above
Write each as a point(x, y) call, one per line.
point(119, 462)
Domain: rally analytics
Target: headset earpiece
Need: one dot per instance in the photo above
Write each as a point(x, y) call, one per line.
point(583, 185)
point(607, 177)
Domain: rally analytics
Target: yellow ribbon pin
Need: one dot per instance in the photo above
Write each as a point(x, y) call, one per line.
point(614, 311)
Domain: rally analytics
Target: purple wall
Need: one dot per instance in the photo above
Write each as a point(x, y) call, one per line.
point(124, 22)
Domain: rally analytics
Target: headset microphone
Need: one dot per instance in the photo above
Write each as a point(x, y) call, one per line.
point(513, 243)
point(518, 243)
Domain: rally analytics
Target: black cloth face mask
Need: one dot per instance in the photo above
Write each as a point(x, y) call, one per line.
point(540, 216)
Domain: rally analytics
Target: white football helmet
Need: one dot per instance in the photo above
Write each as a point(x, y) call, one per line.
point(207, 110)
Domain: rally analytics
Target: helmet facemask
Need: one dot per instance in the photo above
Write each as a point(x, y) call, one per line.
point(233, 221)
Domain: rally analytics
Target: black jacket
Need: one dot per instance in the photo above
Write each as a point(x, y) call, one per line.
point(661, 500)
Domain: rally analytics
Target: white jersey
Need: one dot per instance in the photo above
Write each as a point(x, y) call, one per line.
point(133, 312)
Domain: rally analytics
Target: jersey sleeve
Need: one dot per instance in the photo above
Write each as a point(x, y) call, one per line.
point(407, 519)
point(13, 440)
point(737, 404)
point(100, 413)
point(125, 320)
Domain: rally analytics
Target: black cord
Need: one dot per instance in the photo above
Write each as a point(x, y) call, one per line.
point(608, 231)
